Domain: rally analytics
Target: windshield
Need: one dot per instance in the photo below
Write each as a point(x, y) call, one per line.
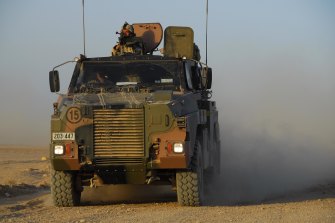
point(115, 76)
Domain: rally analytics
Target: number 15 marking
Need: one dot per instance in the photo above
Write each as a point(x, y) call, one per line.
point(73, 115)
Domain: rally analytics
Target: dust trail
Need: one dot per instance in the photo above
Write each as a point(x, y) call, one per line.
point(275, 94)
point(258, 166)
point(277, 132)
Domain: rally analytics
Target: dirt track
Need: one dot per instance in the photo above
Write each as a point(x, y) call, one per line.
point(25, 197)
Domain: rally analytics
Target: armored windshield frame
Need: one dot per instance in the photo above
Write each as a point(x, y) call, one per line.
point(178, 77)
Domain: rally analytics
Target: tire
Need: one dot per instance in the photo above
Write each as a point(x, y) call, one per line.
point(190, 183)
point(63, 189)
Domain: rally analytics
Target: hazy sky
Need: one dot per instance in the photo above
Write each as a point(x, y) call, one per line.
point(273, 61)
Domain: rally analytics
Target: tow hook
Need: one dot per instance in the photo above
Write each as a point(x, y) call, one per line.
point(152, 179)
point(96, 181)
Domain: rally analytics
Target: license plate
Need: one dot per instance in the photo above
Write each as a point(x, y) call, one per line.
point(63, 136)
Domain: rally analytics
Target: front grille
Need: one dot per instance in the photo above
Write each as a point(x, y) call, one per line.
point(118, 136)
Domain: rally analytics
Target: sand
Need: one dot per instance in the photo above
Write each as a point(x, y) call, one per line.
point(25, 197)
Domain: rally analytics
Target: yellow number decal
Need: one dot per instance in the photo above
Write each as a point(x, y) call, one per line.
point(73, 115)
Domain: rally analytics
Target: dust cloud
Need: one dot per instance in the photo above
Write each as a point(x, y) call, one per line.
point(277, 129)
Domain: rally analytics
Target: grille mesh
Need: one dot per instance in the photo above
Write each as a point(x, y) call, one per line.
point(118, 136)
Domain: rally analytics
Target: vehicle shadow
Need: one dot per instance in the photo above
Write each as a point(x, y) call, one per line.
point(143, 194)
point(127, 194)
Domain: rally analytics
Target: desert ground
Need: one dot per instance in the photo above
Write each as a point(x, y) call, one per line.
point(25, 197)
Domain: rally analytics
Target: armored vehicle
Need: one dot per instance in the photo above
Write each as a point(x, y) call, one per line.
point(136, 119)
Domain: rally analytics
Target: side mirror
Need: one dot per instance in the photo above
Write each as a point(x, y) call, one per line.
point(206, 75)
point(196, 78)
point(54, 81)
point(209, 78)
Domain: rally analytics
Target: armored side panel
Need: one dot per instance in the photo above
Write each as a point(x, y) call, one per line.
point(178, 42)
point(150, 33)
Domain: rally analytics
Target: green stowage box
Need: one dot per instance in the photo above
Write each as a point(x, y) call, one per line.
point(178, 42)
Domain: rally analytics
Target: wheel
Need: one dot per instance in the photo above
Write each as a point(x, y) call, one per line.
point(63, 189)
point(190, 183)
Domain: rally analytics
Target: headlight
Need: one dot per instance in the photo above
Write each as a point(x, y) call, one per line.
point(59, 149)
point(178, 148)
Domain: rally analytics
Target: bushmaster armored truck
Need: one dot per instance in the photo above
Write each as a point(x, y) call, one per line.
point(136, 119)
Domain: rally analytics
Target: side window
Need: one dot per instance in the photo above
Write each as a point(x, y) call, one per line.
point(188, 74)
point(79, 77)
point(196, 77)
point(74, 78)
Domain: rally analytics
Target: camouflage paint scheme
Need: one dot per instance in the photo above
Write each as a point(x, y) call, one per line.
point(161, 127)
point(184, 116)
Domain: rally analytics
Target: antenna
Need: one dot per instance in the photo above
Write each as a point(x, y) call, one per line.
point(84, 26)
point(206, 27)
